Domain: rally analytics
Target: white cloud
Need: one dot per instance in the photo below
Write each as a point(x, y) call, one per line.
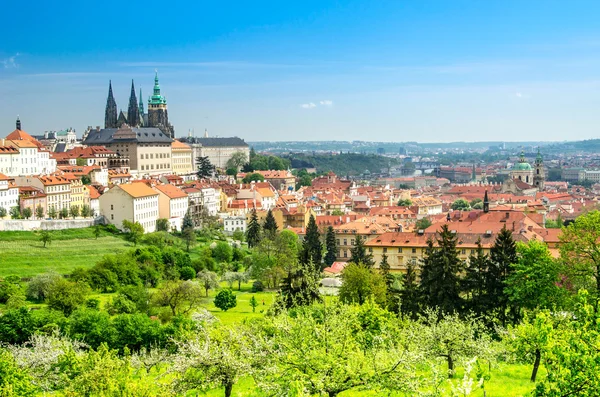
point(520, 95)
point(11, 62)
point(326, 102)
point(308, 105)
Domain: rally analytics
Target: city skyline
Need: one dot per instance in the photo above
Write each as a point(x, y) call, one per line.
point(432, 72)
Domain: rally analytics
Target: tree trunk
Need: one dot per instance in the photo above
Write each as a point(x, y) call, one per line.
point(239, 285)
point(536, 364)
point(228, 389)
point(332, 393)
point(450, 366)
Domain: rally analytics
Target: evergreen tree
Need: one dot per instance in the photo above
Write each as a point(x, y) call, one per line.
point(392, 295)
point(474, 283)
point(409, 295)
point(312, 248)
point(358, 253)
point(440, 274)
point(253, 231)
point(187, 221)
point(300, 287)
point(205, 168)
point(502, 255)
point(331, 247)
point(270, 225)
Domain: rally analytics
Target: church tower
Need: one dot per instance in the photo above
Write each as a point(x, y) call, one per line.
point(141, 111)
point(133, 111)
point(157, 111)
point(486, 203)
point(110, 114)
point(539, 178)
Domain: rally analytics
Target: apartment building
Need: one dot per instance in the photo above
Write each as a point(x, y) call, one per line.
point(172, 204)
point(57, 189)
point(135, 202)
point(9, 193)
point(182, 158)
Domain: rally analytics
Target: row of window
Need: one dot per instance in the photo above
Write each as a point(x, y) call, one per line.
point(158, 156)
point(163, 166)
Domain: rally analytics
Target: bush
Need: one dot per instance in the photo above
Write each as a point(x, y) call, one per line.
point(187, 273)
point(225, 300)
point(257, 286)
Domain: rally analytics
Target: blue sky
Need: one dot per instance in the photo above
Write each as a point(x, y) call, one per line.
point(313, 70)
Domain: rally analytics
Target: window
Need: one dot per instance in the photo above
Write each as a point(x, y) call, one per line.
point(384, 250)
point(371, 249)
point(414, 250)
point(345, 253)
point(112, 207)
point(463, 251)
point(345, 242)
point(112, 217)
point(400, 249)
point(352, 241)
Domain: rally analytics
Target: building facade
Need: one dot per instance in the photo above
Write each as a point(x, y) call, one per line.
point(135, 202)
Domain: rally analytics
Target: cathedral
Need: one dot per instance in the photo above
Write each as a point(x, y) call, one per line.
point(157, 115)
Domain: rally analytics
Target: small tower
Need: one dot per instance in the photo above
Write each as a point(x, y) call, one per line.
point(206, 133)
point(539, 178)
point(486, 203)
point(18, 123)
point(141, 109)
point(133, 111)
point(157, 110)
point(110, 113)
point(473, 174)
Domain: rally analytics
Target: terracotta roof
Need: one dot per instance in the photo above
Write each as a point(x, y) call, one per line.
point(94, 193)
point(180, 145)
point(137, 190)
point(51, 180)
point(171, 191)
point(20, 135)
point(275, 174)
point(8, 149)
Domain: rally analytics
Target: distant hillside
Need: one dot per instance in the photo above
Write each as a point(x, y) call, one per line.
point(351, 164)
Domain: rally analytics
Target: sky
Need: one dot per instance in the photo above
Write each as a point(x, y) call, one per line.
point(421, 70)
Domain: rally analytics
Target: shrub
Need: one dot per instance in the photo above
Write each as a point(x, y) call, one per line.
point(225, 300)
point(187, 273)
point(257, 286)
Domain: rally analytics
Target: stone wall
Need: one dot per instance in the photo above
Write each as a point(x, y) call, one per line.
point(56, 224)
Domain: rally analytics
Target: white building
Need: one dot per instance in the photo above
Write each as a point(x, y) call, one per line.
point(135, 202)
point(218, 150)
point(173, 204)
point(9, 193)
point(232, 223)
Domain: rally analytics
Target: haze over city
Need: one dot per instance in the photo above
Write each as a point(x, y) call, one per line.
point(386, 71)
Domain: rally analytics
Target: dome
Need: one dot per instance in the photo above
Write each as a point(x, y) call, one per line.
point(522, 167)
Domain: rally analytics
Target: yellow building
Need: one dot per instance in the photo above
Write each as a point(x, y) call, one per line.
point(366, 227)
point(181, 156)
point(80, 195)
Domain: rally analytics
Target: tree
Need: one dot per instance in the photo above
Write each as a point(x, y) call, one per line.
point(422, 224)
point(409, 295)
point(254, 303)
point(189, 236)
point(15, 213)
point(392, 293)
point(474, 283)
point(86, 211)
point(188, 222)
point(440, 273)
point(205, 168)
point(225, 300)
point(163, 225)
point(97, 231)
point(358, 253)
point(404, 203)
point(312, 248)
point(534, 280)
point(26, 213)
point(180, 296)
point(40, 285)
point(253, 177)
point(208, 280)
point(330, 246)
point(2, 212)
point(14, 380)
point(80, 161)
point(74, 212)
point(63, 213)
point(300, 287)
point(45, 237)
point(237, 160)
point(66, 296)
point(86, 180)
point(134, 231)
point(223, 252)
point(253, 230)
point(580, 252)
point(52, 212)
point(360, 283)
point(270, 225)
point(460, 205)
point(502, 255)
point(475, 201)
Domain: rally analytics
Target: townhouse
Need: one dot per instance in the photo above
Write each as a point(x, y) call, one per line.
point(9, 193)
point(135, 202)
point(172, 204)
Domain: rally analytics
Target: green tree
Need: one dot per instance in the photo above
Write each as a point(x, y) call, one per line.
point(476, 201)
point(474, 282)
point(253, 303)
point(39, 212)
point(189, 236)
point(534, 280)
point(39, 286)
point(270, 225)
point(80, 161)
point(223, 252)
point(45, 237)
point(253, 230)
point(74, 212)
point(422, 224)
point(163, 225)
point(97, 231)
point(360, 283)
point(312, 248)
point(86, 211)
point(63, 213)
point(392, 293)
point(440, 273)
point(300, 287)
point(330, 246)
point(66, 296)
point(134, 231)
point(26, 213)
point(237, 160)
point(86, 180)
point(188, 222)
point(253, 177)
point(52, 212)
point(460, 205)
point(205, 168)
point(208, 280)
point(404, 203)
point(502, 255)
point(15, 213)
point(225, 300)
point(14, 380)
point(180, 296)
point(358, 253)
point(2, 212)
point(409, 295)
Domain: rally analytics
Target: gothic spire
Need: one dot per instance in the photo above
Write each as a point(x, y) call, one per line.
point(486, 203)
point(110, 113)
point(133, 111)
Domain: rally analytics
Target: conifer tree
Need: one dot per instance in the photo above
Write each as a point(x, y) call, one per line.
point(440, 274)
point(475, 280)
point(300, 287)
point(312, 248)
point(502, 255)
point(409, 295)
point(205, 168)
point(358, 253)
point(392, 294)
point(270, 225)
point(331, 247)
point(253, 231)
point(187, 221)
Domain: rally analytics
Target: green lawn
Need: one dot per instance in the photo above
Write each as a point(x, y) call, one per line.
point(22, 254)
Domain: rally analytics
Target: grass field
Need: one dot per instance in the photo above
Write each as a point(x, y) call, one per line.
point(22, 254)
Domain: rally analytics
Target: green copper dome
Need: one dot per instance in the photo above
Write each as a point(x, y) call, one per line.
point(522, 167)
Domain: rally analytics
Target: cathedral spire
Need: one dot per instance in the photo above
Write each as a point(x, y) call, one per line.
point(133, 111)
point(18, 123)
point(110, 113)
